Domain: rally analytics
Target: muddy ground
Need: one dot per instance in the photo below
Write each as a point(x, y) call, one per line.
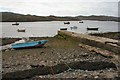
point(61, 52)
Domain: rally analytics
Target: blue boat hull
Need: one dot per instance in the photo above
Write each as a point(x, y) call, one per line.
point(29, 44)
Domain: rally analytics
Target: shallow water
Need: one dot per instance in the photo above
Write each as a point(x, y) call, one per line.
point(43, 29)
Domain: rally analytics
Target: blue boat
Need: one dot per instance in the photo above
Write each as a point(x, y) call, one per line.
point(32, 44)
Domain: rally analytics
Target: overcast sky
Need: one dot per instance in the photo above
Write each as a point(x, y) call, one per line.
point(61, 7)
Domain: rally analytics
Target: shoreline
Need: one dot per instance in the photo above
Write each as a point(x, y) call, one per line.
point(111, 35)
point(59, 50)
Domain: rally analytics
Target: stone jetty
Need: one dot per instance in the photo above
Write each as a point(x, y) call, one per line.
point(94, 41)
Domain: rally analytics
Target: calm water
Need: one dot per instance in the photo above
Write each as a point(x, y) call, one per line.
point(43, 29)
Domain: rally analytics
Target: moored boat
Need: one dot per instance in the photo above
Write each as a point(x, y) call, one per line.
point(15, 23)
point(66, 22)
point(80, 21)
point(63, 28)
point(95, 29)
point(74, 27)
point(32, 44)
point(21, 30)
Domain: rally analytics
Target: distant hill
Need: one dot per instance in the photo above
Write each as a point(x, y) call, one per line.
point(15, 17)
point(100, 18)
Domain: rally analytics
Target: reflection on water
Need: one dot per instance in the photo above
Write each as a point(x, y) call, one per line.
point(43, 29)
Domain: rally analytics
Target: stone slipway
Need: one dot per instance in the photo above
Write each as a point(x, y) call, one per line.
point(93, 40)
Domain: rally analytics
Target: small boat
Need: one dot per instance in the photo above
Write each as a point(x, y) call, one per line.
point(74, 27)
point(66, 22)
point(80, 21)
point(63, 28)
point(33, 44)
point(15, 23)
point(21, 30)
point(95, 29)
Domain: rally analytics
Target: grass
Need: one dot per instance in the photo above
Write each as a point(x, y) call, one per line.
point(112, 35)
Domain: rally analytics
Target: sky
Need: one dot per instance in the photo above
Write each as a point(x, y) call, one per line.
point(61, 7)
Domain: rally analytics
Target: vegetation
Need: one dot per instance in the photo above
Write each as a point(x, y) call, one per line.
point(14, 17)
point(112, 35)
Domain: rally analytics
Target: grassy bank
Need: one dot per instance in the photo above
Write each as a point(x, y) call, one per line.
point(112, 35)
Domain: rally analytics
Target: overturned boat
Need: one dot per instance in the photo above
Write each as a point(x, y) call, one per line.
point(32, 44)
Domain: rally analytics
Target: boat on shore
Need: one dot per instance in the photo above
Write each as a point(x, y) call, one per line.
point(33, 44)
point(95, 29)
point(16, 23)
point(66, 22)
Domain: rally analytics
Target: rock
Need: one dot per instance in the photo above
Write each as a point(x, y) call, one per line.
point(101, 71)
point(70, 69)
point(12, 49)
point(110, 69)
point(55, 62)
point(85, 55)
point(28, 66)
point(41, 52)
point(45, 60)
point(51, 61)
point(6, 50)
point(28, 58)
point(86, 70)
point(34, 66)
point(85, 75)
point(75, 59)
point(96, 77)
point(64, 58)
